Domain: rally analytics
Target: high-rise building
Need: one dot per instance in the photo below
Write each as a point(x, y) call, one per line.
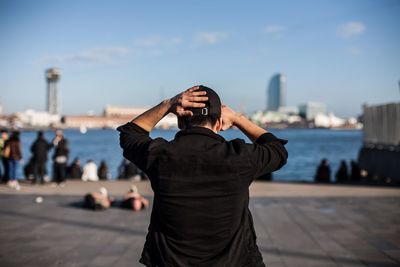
point(52, 77)
point(276, 92)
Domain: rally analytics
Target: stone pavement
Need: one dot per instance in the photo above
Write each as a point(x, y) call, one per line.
point(297, 225)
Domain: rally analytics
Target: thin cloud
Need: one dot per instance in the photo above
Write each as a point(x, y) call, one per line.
point(95, 55)
point(351, 29)
point(209, 38)
point(274, 29)
point(355, 50)
point(157, 40)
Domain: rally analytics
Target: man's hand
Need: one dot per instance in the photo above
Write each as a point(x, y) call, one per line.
point(229, 117)
point(191, 98)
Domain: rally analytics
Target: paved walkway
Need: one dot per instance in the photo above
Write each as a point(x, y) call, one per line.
point(297, 225)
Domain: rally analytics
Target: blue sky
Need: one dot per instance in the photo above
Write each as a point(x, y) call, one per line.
point(134, 53)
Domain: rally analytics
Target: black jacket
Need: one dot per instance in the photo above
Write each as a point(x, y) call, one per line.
point(201, 182)
point(40, 149)
point(61, 149)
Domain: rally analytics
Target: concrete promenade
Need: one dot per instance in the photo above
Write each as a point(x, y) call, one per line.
point(297, 225)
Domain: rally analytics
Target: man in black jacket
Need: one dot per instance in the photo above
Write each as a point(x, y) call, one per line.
point(60, 158)
point(40, 149)
point(201, 182)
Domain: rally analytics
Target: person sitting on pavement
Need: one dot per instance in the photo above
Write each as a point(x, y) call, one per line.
point(90, 172)
point(128, 170)
point(323, 174)
point(134, 201)
point(102, 172)
point(342, 175)
point(74, 170)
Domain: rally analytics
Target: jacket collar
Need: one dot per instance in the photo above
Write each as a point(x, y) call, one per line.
point(198, 130)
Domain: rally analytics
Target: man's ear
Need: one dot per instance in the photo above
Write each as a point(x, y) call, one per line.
point(218, 125)
point(181, 124)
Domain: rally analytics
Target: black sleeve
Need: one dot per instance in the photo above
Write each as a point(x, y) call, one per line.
point(267, 154)
point(135, 143)
point(33, 147)
point(49, 145)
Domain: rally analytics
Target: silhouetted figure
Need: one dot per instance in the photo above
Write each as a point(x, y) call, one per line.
point(40, 149)
point(342, 175)
point(127, 170)
point(60, 158)
point(75, 169)
point(323, 174)
point(29, 170)
point(102, 172)
point(4, 157)
point(355, 171)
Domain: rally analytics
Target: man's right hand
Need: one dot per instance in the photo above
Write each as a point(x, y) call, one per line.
point(191, 98)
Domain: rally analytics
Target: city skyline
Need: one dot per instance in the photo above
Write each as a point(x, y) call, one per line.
point(341, 53)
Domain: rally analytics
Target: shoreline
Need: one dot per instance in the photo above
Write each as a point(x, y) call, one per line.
point(257, 189)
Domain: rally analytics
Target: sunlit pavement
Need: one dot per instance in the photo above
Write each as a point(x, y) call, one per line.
point(297, 225)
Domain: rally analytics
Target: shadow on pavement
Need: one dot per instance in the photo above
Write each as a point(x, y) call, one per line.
point(74, 223)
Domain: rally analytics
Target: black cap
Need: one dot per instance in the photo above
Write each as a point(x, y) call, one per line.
point(213, 104)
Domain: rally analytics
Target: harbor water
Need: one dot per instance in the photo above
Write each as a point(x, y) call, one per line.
point(306, 148)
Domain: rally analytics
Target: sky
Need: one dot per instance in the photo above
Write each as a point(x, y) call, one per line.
point(344, 53)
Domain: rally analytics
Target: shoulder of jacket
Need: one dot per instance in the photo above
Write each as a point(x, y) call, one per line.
point(157, 142)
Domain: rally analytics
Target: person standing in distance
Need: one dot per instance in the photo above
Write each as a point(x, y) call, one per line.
point(200, 214)
point(4, 157)
point(40, 149)
point(60, 158)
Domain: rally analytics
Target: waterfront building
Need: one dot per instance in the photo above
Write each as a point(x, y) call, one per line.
point(276, 92)
point(33, 118)
point(111, 111)
point(310, 110)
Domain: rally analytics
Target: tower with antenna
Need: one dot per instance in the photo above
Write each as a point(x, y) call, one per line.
point(52, 77)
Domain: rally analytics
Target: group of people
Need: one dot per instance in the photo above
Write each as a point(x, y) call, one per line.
point(89, 171)
point(11, 157)
point(100, 200)
point(342, 175)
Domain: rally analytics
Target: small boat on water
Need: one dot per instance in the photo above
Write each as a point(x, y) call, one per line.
point(83, 129)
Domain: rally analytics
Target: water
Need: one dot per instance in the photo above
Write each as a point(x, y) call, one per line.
point(306, 148)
